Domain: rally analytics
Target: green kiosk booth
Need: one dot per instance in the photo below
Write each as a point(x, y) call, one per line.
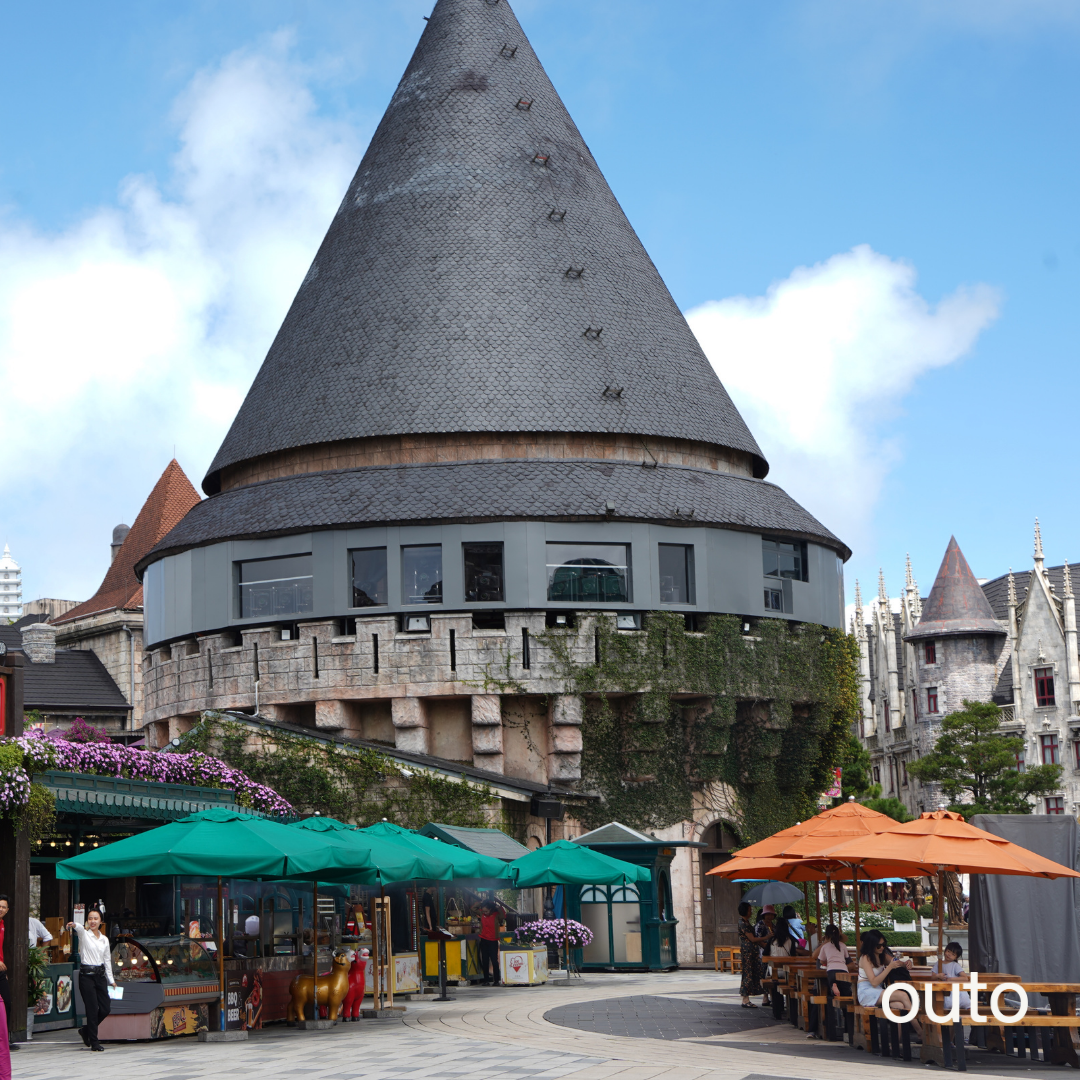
point(633, 925)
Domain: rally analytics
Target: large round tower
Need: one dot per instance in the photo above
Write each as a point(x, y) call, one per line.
point(483, 415)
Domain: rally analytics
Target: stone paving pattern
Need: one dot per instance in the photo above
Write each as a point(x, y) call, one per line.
point(498, 1033)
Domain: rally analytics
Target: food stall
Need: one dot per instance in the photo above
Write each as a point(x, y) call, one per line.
point(167, 985)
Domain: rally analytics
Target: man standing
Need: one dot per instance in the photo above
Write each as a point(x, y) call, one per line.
point(39, 935)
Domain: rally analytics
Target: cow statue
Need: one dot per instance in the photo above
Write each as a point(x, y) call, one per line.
point(354, 1000)
point(331, 990)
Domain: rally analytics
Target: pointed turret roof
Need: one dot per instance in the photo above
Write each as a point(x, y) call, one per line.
point(480, 275)
point(172, 497)
point(957, 604)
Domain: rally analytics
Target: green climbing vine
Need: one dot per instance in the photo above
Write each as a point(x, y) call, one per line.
point(670, 716)
point(353, 784)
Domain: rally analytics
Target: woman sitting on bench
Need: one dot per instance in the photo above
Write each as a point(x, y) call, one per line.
point(875, 967)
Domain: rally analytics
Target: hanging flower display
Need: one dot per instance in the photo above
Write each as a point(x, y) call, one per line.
point(34, 753)
point(555, 932)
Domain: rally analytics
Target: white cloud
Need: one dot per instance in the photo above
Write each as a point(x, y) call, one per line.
point(141, 327)
point(819, 367)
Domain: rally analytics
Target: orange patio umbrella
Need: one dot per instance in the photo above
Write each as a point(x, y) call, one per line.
point(796, 853)
point(941, 841)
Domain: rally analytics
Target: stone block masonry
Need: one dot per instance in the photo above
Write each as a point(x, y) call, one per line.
point(480, 705)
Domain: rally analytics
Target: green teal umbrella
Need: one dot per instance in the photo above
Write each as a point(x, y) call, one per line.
point(565, 863)
point(371, 859)
point(213, 843)
point(466, 864)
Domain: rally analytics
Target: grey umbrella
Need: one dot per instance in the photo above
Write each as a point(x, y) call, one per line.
point(773, 892)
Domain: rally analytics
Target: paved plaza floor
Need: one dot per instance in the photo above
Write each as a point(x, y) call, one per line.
point(679, 1026)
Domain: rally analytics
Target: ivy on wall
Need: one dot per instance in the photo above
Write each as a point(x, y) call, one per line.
point(353, 784)
point(671, 714)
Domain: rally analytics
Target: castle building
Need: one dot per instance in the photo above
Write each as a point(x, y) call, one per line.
point(110, 623)
point(10, 587)
point(1011, 640)
point(483, 416)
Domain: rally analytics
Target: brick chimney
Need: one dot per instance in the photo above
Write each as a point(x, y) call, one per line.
point(39, 643)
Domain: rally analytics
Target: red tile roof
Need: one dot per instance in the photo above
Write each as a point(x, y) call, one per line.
point(172, 497)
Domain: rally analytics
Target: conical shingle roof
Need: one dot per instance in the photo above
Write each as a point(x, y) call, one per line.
point(957, 604)
point(166, 505)
point(480, 276)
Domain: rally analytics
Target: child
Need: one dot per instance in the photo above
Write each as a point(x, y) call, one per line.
point(952, 970)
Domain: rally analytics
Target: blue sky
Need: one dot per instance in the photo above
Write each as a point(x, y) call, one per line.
point(869, 212)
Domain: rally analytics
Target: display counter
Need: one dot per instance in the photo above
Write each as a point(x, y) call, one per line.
point(56, 1009)
point(523, 965)
point(462, 958)
point(167, 984)
point(405, 975)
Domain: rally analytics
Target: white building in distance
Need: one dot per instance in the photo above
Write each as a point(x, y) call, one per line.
point(10, 587)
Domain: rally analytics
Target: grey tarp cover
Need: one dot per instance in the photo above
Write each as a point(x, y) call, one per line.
point(1028, 926)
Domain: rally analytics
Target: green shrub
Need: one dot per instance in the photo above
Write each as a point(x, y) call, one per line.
point(903, 914)
point(900, 938)
point(926, 911)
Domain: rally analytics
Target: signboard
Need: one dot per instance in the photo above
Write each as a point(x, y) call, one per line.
point(834, 791)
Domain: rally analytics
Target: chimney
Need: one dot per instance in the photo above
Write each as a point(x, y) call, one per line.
point(39, 643)
point(119, 534)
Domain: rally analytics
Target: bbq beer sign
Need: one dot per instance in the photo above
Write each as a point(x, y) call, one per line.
point(973, 986)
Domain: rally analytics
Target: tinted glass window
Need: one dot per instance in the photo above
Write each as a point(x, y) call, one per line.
point(368, 577)
point(589, 573)
point(483, 571)
point(784, 559)
point(421, 574)
point(271, 588)
point(676, 574)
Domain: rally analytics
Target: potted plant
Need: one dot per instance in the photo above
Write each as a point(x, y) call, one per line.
point(903, 917)
point(37, 984)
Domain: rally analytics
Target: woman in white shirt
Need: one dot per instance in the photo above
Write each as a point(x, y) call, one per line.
point(832, 955)
point(95, 975)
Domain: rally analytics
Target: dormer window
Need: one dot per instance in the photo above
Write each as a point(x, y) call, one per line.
point(930, 652)
point(1044, 686)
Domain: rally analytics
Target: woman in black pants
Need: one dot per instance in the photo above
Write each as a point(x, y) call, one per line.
point(95, 976)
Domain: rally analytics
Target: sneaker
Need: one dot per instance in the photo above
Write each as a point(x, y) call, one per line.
point(97, 1046)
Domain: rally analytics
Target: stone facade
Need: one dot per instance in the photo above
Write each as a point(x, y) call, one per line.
point(1027, 663)
point(117, 639)
point(456, 693)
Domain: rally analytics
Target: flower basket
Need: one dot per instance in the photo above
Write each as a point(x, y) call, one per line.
point(554, 932)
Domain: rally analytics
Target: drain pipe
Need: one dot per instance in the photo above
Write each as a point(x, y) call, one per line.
point(131, 693)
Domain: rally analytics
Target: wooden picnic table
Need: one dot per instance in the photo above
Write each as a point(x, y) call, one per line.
point(1058, 1033)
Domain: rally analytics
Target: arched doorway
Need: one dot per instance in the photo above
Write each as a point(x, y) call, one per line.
point(719, 898)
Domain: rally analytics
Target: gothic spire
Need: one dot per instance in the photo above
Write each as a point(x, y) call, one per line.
point(1068, 594)
point(956, 604)
point(1038, 546)
point(1012, 588)
point(882, 593)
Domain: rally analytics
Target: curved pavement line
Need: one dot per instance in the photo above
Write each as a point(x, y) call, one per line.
point(524, 1024)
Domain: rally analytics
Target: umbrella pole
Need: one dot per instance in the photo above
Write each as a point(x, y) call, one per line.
point(828, 894)
point(806, 906)
point(221, 955)
point(315, 952)
point(817, 912)
point(566, 929)
point(941, 915)
point(855, 883)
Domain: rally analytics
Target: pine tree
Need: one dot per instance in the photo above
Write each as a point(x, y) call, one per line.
point(976, 765)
